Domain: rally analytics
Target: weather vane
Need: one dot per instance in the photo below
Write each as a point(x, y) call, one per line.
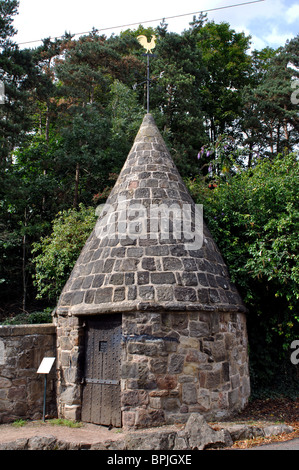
point(148, 46)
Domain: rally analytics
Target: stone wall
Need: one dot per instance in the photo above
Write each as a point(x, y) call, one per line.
point(172, 365)
point(70, 357)
point(177, 364)
point(22, 349)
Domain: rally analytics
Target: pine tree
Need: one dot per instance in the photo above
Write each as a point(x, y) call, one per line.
point(277, 114)
point(8, 9)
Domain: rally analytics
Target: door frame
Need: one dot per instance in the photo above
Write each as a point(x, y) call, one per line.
point(98, 386)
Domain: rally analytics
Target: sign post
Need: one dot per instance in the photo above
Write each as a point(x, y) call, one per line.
point(45, 368)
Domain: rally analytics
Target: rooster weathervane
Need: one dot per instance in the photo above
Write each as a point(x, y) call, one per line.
point(148, 46)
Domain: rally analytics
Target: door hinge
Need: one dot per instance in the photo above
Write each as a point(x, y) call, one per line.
point(102, 381)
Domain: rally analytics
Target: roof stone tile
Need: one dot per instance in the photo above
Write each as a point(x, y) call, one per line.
point(136, 257)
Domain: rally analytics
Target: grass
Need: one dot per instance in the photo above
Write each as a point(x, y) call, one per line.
point(19, 423)
point(65, 422)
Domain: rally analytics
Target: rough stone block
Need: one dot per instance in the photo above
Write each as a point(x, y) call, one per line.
point(171, 264)
point(130, 264)
point(189, 279)
point(171, 404)
point(164, 293)
point(189, 393)
point(189, 264)
point(158, 365)
point(134, 252)
point(98, 280)
point(132, 292)
point(148, 264)
point(167, 382)
point(89, 297)
point(162, 278)
point(176, 363)
point(134, 398)
point(142, 278)
point(146, 419)
point(203, 296)
point(145, 349)
point(146, 292)
point(187, 342)
point(77, 298)
point(210, 379)
point(185, 294)
point(198, 329)
point(128, 419)
point(119, 294)
point(117, 279)
point(104, 295)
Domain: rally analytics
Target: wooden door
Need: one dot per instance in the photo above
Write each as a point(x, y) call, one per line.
point(101, 393)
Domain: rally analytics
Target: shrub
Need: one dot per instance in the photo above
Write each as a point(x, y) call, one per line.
point(56, 254)
point(32, 318)
point(254, 219)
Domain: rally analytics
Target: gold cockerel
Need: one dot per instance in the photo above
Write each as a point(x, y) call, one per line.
point(148, 46)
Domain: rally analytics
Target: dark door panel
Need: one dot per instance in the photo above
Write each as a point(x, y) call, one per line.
point(101, 393)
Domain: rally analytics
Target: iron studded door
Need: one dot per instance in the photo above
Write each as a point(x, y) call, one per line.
point(101, 393)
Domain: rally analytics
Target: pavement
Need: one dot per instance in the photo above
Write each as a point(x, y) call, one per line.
point(287, 445)
point(90, 436)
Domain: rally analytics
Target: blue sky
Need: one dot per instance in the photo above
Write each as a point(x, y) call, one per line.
point(269, 22)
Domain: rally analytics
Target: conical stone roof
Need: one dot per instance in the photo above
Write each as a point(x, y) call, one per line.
point(138, 257)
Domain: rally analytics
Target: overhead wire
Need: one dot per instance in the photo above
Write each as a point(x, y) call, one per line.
point(150, 21)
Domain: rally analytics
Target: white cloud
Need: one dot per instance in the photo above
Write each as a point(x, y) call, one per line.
point(292, 14)
point(258, 43)
point(265, 10)
point(40, 19)
point(277, 38)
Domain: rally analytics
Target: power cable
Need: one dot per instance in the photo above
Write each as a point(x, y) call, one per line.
point(150, 21)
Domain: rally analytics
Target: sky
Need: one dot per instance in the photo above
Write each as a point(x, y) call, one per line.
point(269, 22)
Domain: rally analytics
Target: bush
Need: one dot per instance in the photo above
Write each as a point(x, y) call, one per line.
point(254, 219)
point(57, 254)
point(33, 318)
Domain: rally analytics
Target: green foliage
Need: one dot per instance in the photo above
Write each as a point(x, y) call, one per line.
point(19, 423)
point(65, 422)
point(8, 9)
point(227, 66)
point(55, 255)
point(33, 318)
point(254, 218)
point(70, 116)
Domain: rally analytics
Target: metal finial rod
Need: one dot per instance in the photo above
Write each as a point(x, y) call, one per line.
point(148, 83)
point(148, 46)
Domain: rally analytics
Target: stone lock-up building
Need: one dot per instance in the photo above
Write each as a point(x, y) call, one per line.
point(149, 326)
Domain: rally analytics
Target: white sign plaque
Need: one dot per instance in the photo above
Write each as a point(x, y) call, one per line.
point(46, 365)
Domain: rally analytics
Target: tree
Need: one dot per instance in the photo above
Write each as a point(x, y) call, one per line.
point(254, 219)
point(177, 76)
point(270, 119)
point(14, 68)
point(227, 69)
point(56, 254)
point(12, 72)
point(8, 9)
point(84, 154)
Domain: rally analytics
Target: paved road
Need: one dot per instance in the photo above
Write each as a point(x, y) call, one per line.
point(288, 445)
